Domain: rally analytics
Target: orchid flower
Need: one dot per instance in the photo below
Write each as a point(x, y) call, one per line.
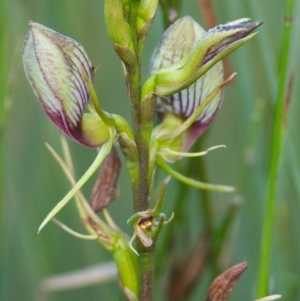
point(60, 74)
point(58, 70)
point(186, 75)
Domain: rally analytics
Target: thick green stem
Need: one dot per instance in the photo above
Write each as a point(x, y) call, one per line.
point(146, 263)
point(266, 244)
point(134, 86)
point(140, 187)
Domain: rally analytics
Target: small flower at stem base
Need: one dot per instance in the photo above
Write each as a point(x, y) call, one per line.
point(145, 224)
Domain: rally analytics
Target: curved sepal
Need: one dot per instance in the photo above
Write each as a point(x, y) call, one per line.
point(104, 151)
point(209, 49)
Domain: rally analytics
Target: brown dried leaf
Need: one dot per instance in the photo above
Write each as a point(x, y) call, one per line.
point(223, 285)
point(105, 189)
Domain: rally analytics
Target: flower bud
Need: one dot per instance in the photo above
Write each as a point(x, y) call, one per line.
point(117, 26)
point(56, 67)
point(204, 53)
point(175, 44)
point(146, 14)
point(185, 71)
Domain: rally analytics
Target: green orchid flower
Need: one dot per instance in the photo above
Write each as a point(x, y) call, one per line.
point(58, 68)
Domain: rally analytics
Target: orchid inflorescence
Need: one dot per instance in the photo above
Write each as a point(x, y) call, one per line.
point(184, 87)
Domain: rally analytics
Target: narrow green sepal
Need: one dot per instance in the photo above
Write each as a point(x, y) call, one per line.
point(75, 233)
point(192, 182)
point(104, 151)
point(160, 201)
point(206, 52)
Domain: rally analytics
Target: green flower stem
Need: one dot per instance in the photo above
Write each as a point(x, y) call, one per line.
point(146, 264)
point(140, 184)
point(133, 21)
point(134, 84)
point(266, 243)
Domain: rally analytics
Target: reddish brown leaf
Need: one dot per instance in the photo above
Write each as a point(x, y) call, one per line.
point(223, 285)
point(105, 188)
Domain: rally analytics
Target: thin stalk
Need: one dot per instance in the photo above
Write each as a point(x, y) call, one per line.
point(3, 61)
point(3, 81)
point(266, 243)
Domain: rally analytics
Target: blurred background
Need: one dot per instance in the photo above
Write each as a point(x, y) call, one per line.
point(220, 230)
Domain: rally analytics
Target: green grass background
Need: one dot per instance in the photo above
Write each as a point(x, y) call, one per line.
point(32, 182)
